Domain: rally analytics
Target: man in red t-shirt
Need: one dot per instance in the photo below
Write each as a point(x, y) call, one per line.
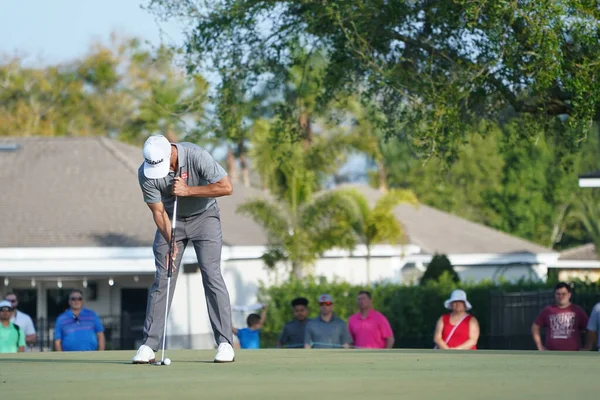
point(563, 322)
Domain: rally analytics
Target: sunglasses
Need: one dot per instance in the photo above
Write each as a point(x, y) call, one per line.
point(326, 303)
point(6, 309)
point(13, 301)
point(76, 298)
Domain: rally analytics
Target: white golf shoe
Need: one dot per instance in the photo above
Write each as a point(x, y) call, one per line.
point(144, 355)
point(225, 353)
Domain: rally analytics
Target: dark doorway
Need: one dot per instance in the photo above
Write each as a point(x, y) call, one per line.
point(133, 312)
point(27, 301)
point(57, 302)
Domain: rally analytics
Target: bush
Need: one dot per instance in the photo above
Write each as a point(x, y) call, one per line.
point(411, 310)
point(439, 265)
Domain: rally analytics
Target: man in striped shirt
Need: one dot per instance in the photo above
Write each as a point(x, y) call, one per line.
point(78, 328)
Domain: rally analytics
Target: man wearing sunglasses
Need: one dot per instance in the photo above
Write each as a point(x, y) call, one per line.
point(21, 319)
point(78, 328)
point(327, 331)
point(12, 339)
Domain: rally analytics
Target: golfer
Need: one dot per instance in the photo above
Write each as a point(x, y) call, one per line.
point(200, 179)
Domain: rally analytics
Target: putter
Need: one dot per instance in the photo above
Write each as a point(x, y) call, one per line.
point(172, 243)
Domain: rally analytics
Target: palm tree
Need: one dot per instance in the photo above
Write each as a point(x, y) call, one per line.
point(378, 224)
point(299, 227)
point(587, 211)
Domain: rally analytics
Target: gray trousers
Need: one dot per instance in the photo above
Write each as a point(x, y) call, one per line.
point(204, 231)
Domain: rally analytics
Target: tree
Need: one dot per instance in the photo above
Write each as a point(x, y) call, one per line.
point(431, 66)
point(301, 228)
point(378, 224)
point(438, 266)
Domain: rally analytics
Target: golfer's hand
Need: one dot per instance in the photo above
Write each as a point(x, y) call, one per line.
point(174, 258)
point(180, 188)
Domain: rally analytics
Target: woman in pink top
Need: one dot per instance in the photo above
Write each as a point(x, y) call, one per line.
point(369, 329)
point(457, 330)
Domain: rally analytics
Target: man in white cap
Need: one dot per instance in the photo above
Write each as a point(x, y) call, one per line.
point(189, 172)
point(327, 331)
point(457, 330)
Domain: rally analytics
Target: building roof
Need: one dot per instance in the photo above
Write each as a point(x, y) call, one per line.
point(80, 192)
point(587, 252)
point(83, 192)
point(436, 231)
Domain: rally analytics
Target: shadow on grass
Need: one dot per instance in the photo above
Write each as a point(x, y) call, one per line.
point(61, 361)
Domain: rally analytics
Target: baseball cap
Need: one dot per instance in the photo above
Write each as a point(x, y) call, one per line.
point(6, 303)
point(325, 298)
point(157, 157)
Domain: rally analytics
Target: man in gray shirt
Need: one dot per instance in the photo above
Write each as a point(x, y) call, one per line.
point(592, 328)
point(201, 179)
point(293, 332)
point(327, 331)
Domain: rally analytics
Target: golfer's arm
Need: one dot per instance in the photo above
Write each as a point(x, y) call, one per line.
point(161, 219)
point(101, 341)
point(217, 189)
point(535, 332)
point(57, 345)
point(590, 340)
point(437, 336)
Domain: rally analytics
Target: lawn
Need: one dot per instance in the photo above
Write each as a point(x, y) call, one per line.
point(304, 374)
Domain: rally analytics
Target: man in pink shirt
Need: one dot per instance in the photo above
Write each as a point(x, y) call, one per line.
point(370, 329)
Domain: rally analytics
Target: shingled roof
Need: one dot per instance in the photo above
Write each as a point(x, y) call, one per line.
point(80, 192)
point(83, 192)
point(436, 231)
point(586, 252)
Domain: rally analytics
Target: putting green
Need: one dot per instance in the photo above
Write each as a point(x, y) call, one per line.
point(304, 374)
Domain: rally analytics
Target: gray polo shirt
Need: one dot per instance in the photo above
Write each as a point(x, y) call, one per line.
point(201, 169)
point(292, 335)
point(324, 335)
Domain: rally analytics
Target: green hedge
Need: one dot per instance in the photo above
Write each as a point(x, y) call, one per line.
point(411, 310)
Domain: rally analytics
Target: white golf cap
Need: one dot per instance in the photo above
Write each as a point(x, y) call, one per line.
point(457, 295)
point(157, 157)
point(6, 303)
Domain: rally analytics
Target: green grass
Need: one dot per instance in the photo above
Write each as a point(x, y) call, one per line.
point(304, 374)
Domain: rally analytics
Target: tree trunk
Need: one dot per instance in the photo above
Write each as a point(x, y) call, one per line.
point(297, 270)
point(171, 135)
point(243, 164)
point(231, 167)
point(368, 266)
point(305, 125)
point(382, 177)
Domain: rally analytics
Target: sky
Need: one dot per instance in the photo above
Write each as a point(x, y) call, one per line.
point(46, 32)
point(55, 31)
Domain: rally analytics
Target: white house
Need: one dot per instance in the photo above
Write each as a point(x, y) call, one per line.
point(73, 217)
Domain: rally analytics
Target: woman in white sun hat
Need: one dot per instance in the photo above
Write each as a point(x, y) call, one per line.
point(457, 330)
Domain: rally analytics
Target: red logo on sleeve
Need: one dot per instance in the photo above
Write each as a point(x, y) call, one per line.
point(184, 175)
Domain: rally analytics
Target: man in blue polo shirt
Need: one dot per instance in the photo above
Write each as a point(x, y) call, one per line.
point(78, 328)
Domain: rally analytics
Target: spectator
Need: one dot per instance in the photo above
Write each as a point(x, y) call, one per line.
point(593, 327)
point(457, 330)
point(12, 339)
point(327, 330)
point(370, 329)
point(78, 328)
point(250, 337)
point(22, 320)
point(563, 322)
point(292, 335)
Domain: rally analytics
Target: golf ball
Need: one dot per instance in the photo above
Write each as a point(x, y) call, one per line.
point(167, 361)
